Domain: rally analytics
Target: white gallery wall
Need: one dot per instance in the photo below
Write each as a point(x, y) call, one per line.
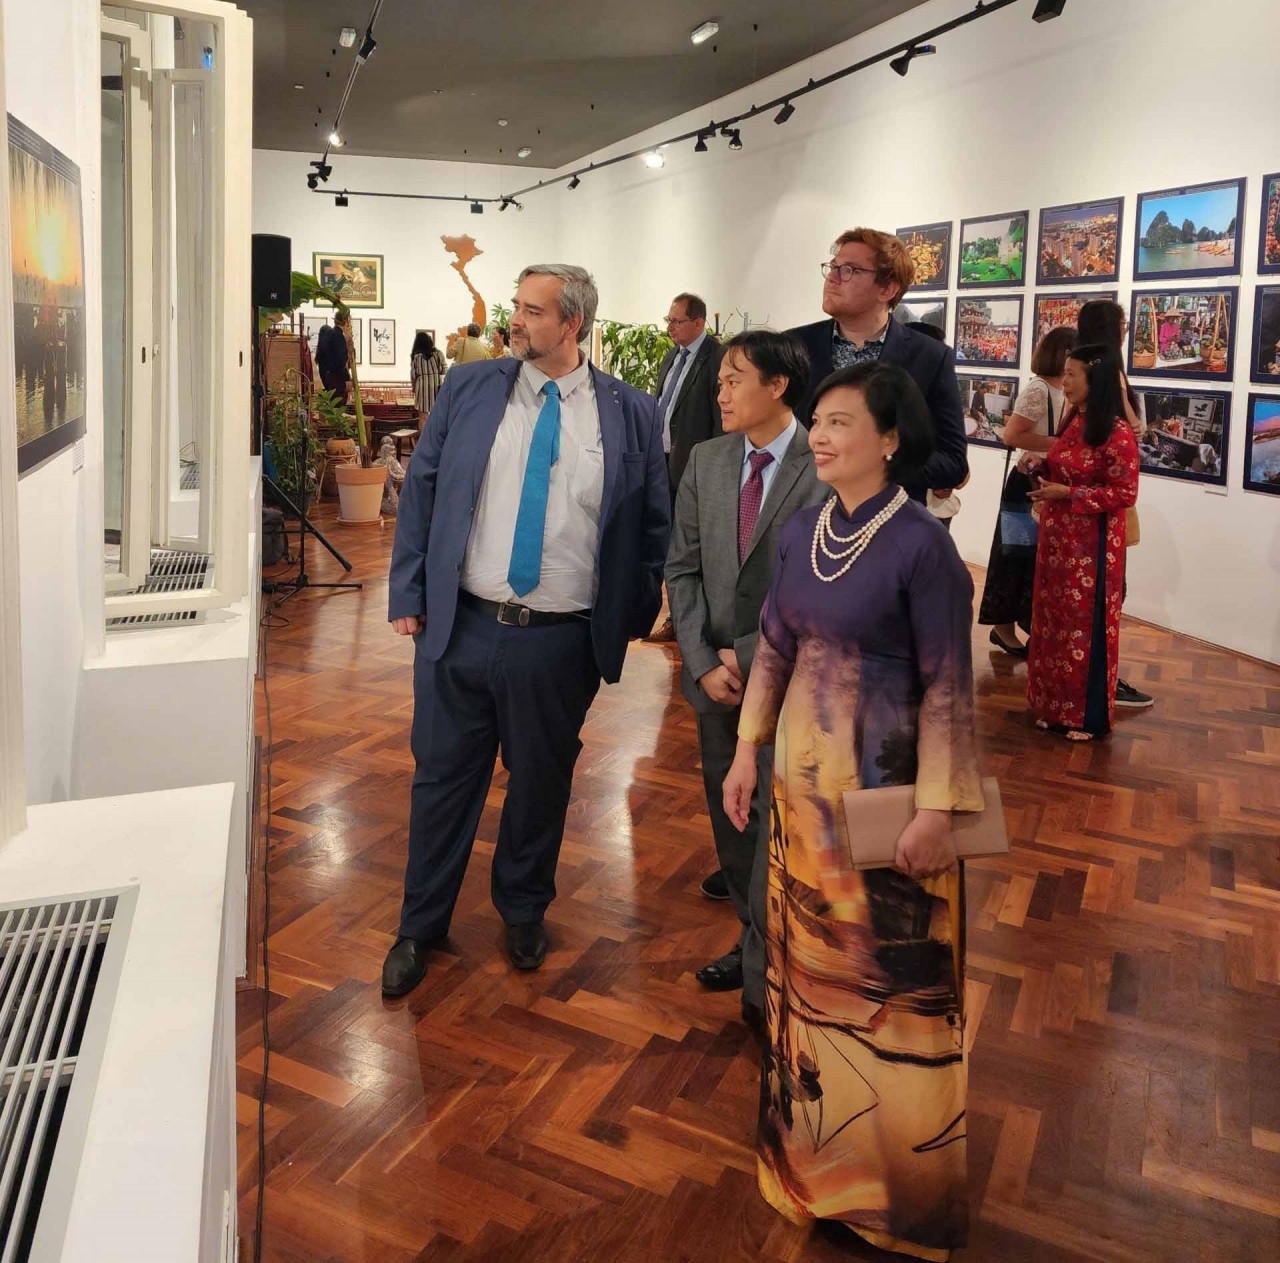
point(421, 289)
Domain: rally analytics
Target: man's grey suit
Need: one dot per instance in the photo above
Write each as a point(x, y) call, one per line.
point(715, 604)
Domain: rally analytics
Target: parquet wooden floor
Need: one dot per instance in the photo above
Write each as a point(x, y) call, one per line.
point(1123, 988)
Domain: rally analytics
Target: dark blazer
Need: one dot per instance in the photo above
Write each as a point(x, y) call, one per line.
point(933, 366)
point(696, 415)
point(442, 486)
point(715, 601)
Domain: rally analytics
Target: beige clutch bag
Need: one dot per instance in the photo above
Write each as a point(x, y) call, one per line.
point(877, 817)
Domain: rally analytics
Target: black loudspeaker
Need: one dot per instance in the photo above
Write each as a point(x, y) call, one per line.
point(272, 265)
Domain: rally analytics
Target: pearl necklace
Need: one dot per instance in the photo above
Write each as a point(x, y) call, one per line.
point(858, 541)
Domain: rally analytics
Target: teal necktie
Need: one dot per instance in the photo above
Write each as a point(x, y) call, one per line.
point(531, 518)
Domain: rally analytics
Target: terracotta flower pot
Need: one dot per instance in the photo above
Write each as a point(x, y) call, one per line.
point(360, 493)
point(340, 447)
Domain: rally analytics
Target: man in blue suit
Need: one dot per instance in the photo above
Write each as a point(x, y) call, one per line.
point(529, 548)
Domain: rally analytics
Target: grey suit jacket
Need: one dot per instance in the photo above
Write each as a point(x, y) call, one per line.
point(715, 602)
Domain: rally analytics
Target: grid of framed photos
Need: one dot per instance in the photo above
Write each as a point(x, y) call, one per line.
point(988, 331)
point(1262, 444)
point(1061, 310)
point(993, 251)
point(930, 248)
point(1186, 434)
point(1080, 243)
point(1189, 232)
point(930, 310)
point(987, 402)
point(1183, 332)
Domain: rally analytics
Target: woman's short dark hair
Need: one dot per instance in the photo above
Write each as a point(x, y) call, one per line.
point(1050, 356)
point(895, 403)
point(1105, 404)
point(422, 345)
point(1101, 320)
point(773, 354)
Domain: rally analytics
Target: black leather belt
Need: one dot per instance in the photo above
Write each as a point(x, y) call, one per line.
point(511, 615)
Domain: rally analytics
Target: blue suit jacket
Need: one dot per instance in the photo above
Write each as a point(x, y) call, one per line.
point(442, 487)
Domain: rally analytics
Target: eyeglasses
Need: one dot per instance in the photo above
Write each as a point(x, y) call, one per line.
point(844, 272)
point(679, 320)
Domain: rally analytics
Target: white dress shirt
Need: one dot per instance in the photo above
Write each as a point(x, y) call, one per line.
point(777, 449)
point(693, 348)
point(569, 543)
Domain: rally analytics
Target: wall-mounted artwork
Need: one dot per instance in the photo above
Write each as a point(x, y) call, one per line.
point(993, 250)
point(989, 331)
point(1269, 237)
point(1080, 243)
point(1183, 333)
point(311, 326)
point(1262, 444)
point(1186, 434)
point(431, 333)
point(1193, 231)
point(930, 248)
point(1053, 311)
point(47, 255)
point(930, 311)
point(382, 341)
point(356, 277)
point(1264, 361)
point(987, 402)
point(357, 338)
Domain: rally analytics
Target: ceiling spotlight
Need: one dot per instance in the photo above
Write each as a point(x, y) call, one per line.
point(654, 159)
point(735, 139)
point(573, 184)
point(477, 208)
point(312, 182)
point(340, 199)
point(523, 152)
point(901, 63)
point(348, 36)
point(785, 113)
point(367, 46)
point(1047, 10)
point(700, 34)
point(335, 140)
point(506, 201)
point(701, 145)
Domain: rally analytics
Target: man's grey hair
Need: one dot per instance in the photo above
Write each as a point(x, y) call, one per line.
point(578, 294)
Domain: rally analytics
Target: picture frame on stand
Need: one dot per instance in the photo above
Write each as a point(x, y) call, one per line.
point(1264, 356)
point(1056, 309)
point(1262, 444)
point(1080, 244)
point(1183, 332)
point(1193, 231)
point(1187, 434)
point(988, 331)
point(993, 251)
point(987, 402)
point(929, 246)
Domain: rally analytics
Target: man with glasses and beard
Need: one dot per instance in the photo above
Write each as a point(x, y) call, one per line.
point(865, 279)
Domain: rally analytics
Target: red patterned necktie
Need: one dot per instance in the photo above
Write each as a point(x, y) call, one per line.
point(749, 500)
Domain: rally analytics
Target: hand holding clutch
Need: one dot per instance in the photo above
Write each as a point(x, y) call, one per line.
point(925, 847)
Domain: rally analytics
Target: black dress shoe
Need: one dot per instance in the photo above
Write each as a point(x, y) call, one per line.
point(527, 945)
point(753, 1019)
point(724, 973)
point(405, 967)
point(1014, 651)
point(715, 887)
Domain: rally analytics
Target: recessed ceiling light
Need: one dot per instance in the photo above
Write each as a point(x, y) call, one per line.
point(700, 34)
point(654, 159)
point(298, 86)
point(347, 37)
point(523, 152)
point(502, 122)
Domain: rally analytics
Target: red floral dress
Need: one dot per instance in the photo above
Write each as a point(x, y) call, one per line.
point(1075, 623)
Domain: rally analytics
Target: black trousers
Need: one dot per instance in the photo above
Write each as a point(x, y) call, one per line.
point(521, 691)
point(744, 857)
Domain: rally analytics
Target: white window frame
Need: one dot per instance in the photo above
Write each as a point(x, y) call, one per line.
point(230, 128)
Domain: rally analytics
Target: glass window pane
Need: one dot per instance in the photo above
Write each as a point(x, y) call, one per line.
point(115, 301)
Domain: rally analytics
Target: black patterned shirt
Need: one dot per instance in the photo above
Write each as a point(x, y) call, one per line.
point(844, 352)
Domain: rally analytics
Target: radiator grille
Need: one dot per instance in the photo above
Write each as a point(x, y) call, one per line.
point(171, 571)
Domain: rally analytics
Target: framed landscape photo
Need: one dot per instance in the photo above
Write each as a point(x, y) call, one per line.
point(1264, 359)
point(357, 337)
point(1262, 444)
point(1183, 333)
point(929, 246)
point(993, 250)
point(1269, 237)
point(1053, 311)
point(382, 341)
point(1186, 434)
point(989, 331)
point(930, 311)
point(1192, 231)
point(987, 402)
point(356, 277)
point(1080, 243)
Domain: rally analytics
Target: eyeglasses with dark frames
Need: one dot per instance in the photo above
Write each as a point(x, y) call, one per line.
point(844, 272)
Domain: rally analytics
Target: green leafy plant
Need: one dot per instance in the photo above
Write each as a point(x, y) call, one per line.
point(287, 423)
point(306, 289)
point(634, 352)
point(499, 318)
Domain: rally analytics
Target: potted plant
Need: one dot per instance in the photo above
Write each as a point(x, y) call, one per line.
point(286, 422)
point(634, 352)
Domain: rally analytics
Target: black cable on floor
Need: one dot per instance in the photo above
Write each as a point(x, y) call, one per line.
point(268, 621)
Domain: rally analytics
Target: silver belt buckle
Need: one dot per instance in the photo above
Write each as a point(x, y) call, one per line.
point(521, 614)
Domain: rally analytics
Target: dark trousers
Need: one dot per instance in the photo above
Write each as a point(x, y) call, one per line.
point(524, 691)
point(744, 857)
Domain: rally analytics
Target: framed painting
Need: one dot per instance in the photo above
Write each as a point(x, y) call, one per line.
point(1262, 444)
point(929, 246)
point(1192, 231)
point(987, 402)
point(356, 277)
point(989, 331)
point(930, 311)
point(1269, 236)
point(1053, 311)
point(1264, 358)
point(993, 250)
point(1183, 333)
point(382, 341)
point(311, 326)
point(357, 338)
point(1080, 243)
point(1186, 434)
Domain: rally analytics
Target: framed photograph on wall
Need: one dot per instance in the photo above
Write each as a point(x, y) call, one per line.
point(930, 248)
point(1264, 359)
point(1262, 444)
point(1183, 333)
point(1080, 243)
point(357, 337)
point(1269, 237)
point(1192, 231)
point(47, 261)
point(1053, 311)
point(431, 333)
point(311, 326)
point(382, 341)
point(987, 402)
point(989, 331)
point(993, 250)
point(930, 311)
point(358, 277)
point(1186, 434)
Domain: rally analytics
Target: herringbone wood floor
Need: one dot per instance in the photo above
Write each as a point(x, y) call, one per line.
point(1123, 988)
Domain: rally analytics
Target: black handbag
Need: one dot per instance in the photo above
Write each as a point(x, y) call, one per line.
point(1019, 530)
